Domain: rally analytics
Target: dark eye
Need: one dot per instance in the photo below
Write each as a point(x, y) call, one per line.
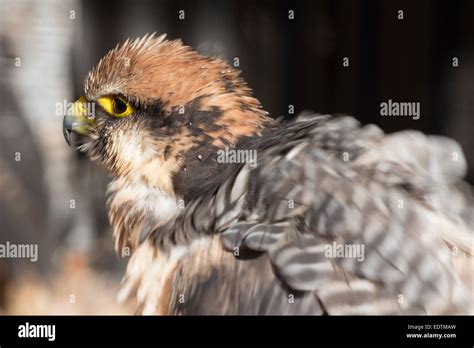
point(119, 106)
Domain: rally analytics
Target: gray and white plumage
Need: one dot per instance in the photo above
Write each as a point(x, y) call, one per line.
point(373, 199)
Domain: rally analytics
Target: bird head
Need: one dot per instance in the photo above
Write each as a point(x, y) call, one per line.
point(161, 111)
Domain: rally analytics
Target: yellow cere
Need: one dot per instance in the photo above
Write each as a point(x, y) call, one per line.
point(79, 108)
point(115, 106)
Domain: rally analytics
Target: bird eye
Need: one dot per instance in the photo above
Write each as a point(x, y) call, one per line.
point(119, 106)
point(116, 106)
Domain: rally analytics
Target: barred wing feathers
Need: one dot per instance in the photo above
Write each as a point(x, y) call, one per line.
point(326, 183)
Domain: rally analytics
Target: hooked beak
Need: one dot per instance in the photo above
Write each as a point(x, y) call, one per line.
point(79, 119)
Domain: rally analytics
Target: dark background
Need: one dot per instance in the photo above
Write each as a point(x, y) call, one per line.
point(286, 62)
point(299, 62)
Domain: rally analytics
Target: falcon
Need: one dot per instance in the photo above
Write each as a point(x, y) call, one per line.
point(329, 216)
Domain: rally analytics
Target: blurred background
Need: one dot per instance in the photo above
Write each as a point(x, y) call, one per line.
point(290, 52)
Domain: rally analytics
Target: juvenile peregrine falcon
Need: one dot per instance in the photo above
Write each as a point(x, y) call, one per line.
point(328, 218)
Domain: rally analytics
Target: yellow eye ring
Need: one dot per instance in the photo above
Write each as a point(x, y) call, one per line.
point(116, 106)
